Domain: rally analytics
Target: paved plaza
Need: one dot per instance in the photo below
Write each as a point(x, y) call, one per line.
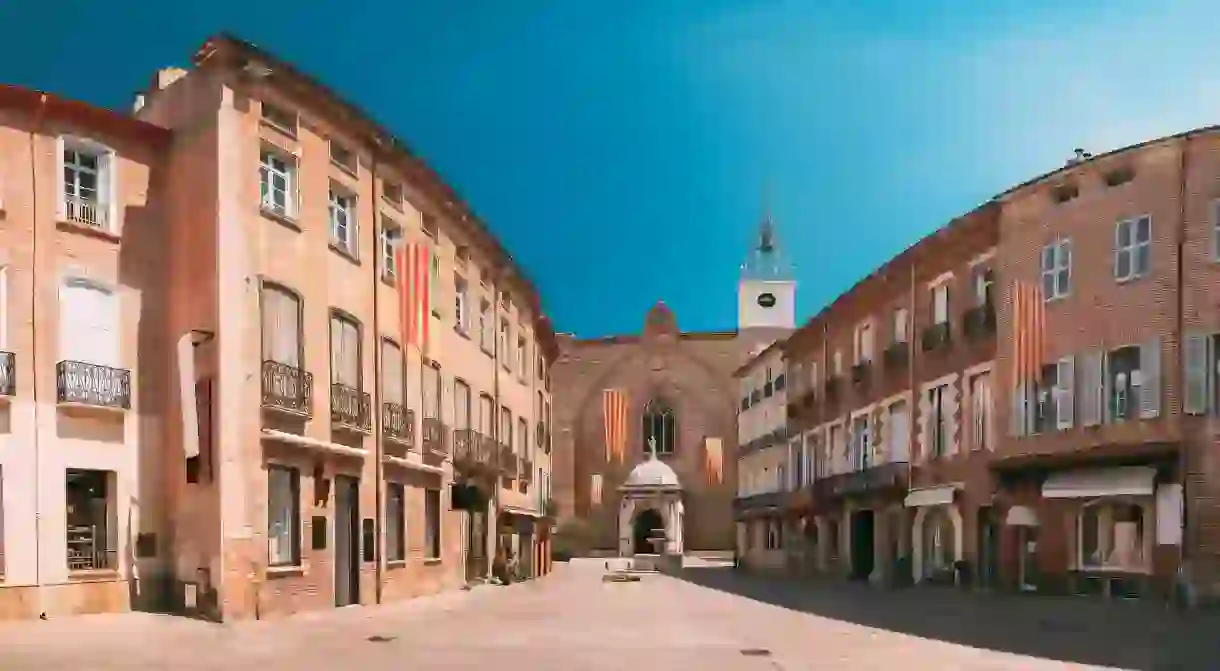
point(710, 619)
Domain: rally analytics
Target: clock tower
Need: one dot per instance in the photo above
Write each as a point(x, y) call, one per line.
point(766, 293)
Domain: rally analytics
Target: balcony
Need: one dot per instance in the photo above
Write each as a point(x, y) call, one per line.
point(398, 425)
point(860, 373)
point(86, 212)
point(508, 460)
point(758, 503)
point(468, 452)
point(979, 321)
point(83, 383)
point(287, 388)
point(8, 374)
point(434, 437)
point(350, 408)
point(936, 337)
point(893, 476)
point(896, 355)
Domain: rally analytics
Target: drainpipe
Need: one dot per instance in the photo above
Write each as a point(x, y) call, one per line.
point(496, 429)
point(38, 118)
point(1180, 248)
point(375, 394)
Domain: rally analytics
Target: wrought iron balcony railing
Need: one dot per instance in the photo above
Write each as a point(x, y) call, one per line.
point(8, 374)
point(350, 407)
point(979, 321)
point(398, 424)
point(936, 337)
point(91, 384)
point(287, 388)
point(887, 476)
point(435, 433)
point(85, 211)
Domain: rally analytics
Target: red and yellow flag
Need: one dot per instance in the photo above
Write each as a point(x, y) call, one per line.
point(614, 410)
point(412, 264)
point(1028, 335)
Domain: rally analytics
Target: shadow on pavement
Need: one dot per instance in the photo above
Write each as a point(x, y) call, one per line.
point(1124, 634)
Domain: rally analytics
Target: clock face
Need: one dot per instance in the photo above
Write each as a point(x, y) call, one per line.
point(766, 300)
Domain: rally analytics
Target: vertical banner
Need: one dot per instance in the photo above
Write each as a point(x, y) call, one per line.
point(714, 454)
point(595, 489)
point(412, 263)
point(614, 412)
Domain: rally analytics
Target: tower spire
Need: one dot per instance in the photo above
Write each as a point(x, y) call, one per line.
point(765, 259)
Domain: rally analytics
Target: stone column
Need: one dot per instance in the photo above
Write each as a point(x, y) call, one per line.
point(625, 510)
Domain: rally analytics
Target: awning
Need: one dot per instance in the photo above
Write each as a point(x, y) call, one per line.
point(930, 496)
point(1092, 483)
point(313, 443)
point(1021, 516)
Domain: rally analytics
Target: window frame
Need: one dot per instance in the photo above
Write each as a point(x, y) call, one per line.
point(341, 201)
point(267, 355)
point(390, 236)
point(341, 317)
point(461, 304)
point(659, 413)
point(294, 523)
point(386, 341)
point(290, 176)
point(1132, 249)
point(1055, 264)
point(105, 186)
point(433, 524)
point(396, 523)
point(940, 303)
point(938, 426)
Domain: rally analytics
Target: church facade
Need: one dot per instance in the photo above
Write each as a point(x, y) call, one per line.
point(615, 395)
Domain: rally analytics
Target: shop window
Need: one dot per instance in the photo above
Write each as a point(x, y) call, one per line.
point(92, 520)
point(1112, 536)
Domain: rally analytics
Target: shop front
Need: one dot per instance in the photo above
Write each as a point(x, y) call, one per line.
point(862, 523)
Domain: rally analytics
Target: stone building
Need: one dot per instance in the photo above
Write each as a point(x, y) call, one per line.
point(614, 393)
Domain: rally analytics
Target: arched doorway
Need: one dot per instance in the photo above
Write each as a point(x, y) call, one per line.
point(647, 524)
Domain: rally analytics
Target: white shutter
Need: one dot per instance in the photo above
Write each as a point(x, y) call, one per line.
point(1150, 370)
point(1018, 411)
point(1196, 374)
point(1089, 389)
point(1066, 408)
point(88, 324)
point(901, 434)
point(1107, 389)
point(391, 373)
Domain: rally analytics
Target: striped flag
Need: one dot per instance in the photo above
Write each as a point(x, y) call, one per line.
point(412, 266)
point(1028, 336)
point(614, 409)
point(595, 489)
point(714, 449)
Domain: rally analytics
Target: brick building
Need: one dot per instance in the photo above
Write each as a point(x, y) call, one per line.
point(207, 303)
point(677, 387)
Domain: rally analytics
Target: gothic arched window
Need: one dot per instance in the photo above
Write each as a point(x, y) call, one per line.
point(660, 424)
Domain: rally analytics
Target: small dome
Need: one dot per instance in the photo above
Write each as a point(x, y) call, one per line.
point(660, 321)
point(652, 473)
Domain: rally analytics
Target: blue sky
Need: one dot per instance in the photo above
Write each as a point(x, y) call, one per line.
point(620, 149)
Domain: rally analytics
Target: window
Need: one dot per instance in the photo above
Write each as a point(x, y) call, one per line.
point(393, 382)
point(1046, 410)
point(86, 183)
point(277, 184)
point(940, 304)
point(92, 520)
point(1132, 248)
point(900, 325)
point(938, 426)
point(486, 415)
point(502, 345)
point(938, 543)
point(660, 425)
point(1112, 536)
point(88, 323)
point(523, 436)
point(485, 327)
point(395, 522)
point(864, 343)
point(391, 238)
point(1126, 383)
point(432, 523)
point(343, 221)
point(1056, 269)
point(344, 351)
point(838, 363)
point(344, 157)
point(506, 427)
point(861, 443)
point(434, 281)
point(461, 321)
point(281, 326)
point(461, 405)
point(522, 359)
point(280, 118)
point(980, 411)
point(899, 433)
point(983, 282)
point(391, 192)
point(780, 381)
point(768, 385)
point(283, 516)
point(430, 389)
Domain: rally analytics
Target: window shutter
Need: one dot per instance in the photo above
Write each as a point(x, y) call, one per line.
point(1089, 386)
point(1150, 368)
point(351, 355)
point(391, 373)
point(1018, 410)
point(286, 336)
point(1196, 374)
point(1107, 390)
point(1066, 409)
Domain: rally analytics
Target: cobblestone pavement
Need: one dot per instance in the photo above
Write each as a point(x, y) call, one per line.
point(709, 620)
